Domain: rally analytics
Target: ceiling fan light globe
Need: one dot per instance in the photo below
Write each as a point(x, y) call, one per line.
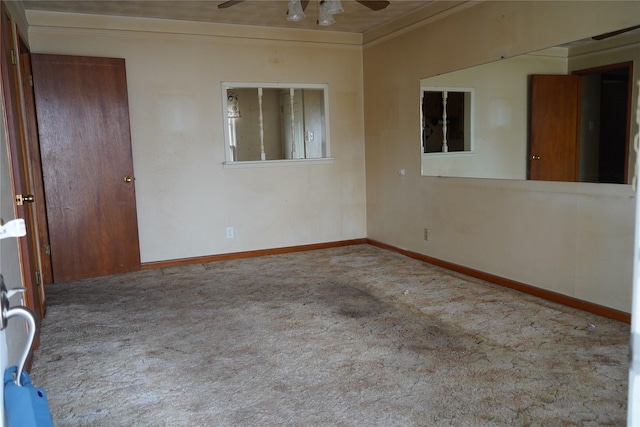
point(295, 12)
point(326, 22)
point(296, 17)
point(334, 7)
point(324, 17)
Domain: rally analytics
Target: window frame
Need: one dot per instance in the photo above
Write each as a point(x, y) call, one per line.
point(229, 163)
point(471, 109)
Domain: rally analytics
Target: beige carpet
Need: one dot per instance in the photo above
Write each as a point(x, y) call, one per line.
point(352, 336)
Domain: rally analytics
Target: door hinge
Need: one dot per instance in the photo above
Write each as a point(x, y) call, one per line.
point(13, 57)
point(47, 250)
point(31, 80)
point(38, 278)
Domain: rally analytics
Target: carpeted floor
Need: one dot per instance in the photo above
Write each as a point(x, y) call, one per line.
point(351, 336)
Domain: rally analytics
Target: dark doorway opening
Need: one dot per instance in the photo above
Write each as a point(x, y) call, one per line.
point(605, 123)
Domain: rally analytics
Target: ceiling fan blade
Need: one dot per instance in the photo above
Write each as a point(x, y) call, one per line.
point(229, 4)
point(614, 33)
point(374, 4)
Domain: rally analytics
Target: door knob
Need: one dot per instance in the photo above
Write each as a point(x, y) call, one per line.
point(20, 199)
point(128, 179)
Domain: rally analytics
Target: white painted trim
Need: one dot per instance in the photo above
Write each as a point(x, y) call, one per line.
point(38, 19)
point(277, 163)
point(633, 408)
point(449, 154)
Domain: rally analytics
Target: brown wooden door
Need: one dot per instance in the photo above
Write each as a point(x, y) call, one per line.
point(555, 121)
point(85, 144)
point(19, 166)
point(35, 172)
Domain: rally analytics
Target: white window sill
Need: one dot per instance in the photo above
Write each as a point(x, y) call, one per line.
point(449, 154)
point(276, 163)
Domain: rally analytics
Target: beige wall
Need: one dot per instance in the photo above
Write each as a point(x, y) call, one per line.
point(185, 197)
point(572, 238)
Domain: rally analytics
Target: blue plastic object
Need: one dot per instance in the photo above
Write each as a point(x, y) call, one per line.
point(25, 405)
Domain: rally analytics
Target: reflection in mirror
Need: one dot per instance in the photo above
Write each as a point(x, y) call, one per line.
point(597, 149)
point(447, 120)
point(275, 122)
point(504, 128)
point(605, 153)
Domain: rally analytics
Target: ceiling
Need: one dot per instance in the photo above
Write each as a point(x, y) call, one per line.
point(356, 18)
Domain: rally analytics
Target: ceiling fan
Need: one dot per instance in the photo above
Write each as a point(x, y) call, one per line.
point(371, 4)
point(615, 33)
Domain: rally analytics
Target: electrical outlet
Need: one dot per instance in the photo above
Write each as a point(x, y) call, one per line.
point(229, 232)
point(426, 234)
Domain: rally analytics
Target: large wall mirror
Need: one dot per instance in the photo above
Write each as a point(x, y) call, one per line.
point(275, 122)
point(522, 126)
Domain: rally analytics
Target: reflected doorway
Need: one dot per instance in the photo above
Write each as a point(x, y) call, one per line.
point(580, 125)
point(605, 123)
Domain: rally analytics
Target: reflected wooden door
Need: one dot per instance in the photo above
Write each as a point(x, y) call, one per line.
point(555, 121)
point(85, 144)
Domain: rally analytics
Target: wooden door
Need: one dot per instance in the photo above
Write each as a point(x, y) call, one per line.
point(35, 172)
point(85, 145)
point(19, 165)
point(554, 127)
